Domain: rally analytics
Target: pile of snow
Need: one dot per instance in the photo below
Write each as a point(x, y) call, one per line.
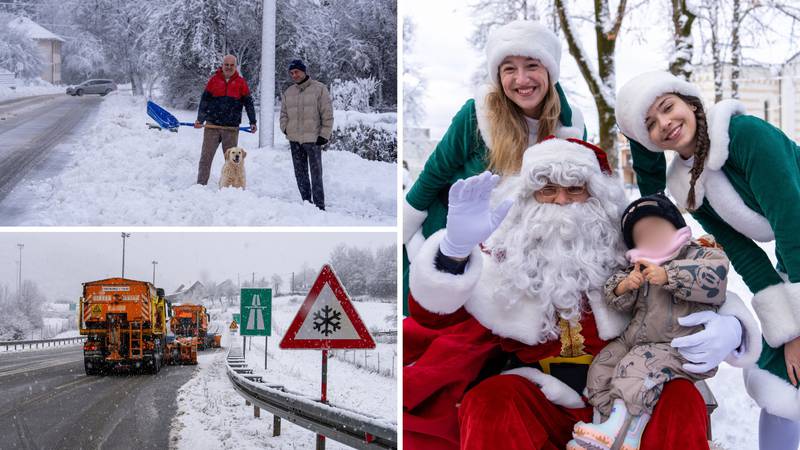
point(29, 88)
point(382, 121)
point(122, 173)
point(212, 415)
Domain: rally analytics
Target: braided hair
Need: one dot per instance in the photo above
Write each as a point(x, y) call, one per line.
point(703, 145)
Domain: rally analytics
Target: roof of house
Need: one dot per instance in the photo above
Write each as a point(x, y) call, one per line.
point(33, 29)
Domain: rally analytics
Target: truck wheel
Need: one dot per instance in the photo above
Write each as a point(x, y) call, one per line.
point(91, 369)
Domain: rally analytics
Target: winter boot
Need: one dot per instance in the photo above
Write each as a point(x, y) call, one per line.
point(634, 435)
point(602, 436)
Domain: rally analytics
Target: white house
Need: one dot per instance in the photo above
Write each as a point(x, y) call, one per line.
point(49, 46)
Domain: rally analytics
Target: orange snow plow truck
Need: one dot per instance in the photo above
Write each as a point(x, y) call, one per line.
point(190, 320)
point(125, 324)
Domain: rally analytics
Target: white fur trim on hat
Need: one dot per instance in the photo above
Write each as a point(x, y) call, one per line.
point(636, 97)
point(778, 308)
point(523, 38)
point(554, 151)
point(750, 350)
point(772, 393)
point(554, 389)
point(441, 292)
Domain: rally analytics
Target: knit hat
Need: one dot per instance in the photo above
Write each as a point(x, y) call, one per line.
point(297, 64)
point(523, 38)
point(574, 151)
point(657, 205)
point(638, 95)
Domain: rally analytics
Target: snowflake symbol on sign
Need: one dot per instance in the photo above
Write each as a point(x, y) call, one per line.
point(327, 321)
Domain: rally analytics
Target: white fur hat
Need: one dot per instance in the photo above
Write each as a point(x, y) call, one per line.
point(636, 97)
point(523, 38)
point(572, 151)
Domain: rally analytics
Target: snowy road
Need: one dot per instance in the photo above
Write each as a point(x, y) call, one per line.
point(31, 127)
point(48, 402)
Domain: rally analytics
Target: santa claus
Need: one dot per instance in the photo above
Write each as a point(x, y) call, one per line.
point(507, 313)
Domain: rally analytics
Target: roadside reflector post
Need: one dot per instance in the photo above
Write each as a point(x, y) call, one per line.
point(276, 426)
point(256, 411)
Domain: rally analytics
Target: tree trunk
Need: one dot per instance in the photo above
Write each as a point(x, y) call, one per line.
point(716, 58)
point(682, 20)
point(736, 50)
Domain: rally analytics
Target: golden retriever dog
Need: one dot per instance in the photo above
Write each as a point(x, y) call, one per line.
point(233, 169)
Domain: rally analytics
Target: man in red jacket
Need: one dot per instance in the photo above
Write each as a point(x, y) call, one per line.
point(220, 108)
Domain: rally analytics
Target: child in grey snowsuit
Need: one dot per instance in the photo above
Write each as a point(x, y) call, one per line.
point(671, 276)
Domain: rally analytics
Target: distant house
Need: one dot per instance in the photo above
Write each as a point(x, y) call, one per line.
point(49, 46)
point(6, 78)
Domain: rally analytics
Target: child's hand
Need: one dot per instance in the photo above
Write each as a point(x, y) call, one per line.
point(653, 273)
point(633, 281)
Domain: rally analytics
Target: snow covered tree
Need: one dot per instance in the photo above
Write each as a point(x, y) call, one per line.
point(18, 52)
point(413, 83)
point(680, 61)
point(277, 282)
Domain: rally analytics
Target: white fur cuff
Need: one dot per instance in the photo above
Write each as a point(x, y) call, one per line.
point(751, 333)
point(554, 389)
point(778, 308)
point(773, 394)
point(442, 292)
point(610, 322)
point(412, 220)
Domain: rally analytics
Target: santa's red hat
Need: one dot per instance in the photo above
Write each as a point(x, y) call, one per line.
point(574, 151)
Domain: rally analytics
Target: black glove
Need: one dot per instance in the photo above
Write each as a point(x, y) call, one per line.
point(321, 140)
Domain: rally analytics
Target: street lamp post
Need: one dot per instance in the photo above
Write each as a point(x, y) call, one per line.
point(124, 236)
point(154, 272)
point(19, 275)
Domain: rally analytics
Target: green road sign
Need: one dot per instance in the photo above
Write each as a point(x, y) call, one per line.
point(256, 312)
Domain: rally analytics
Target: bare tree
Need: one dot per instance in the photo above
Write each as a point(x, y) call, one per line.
point(277, 282)
point(602, 80)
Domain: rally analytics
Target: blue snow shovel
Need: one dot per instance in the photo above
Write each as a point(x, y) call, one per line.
point(165, 120)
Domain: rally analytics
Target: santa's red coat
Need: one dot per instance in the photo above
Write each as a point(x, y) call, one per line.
point(453, 395)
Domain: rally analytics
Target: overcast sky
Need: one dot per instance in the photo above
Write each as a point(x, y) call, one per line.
point(60, 262)
point(447, 61)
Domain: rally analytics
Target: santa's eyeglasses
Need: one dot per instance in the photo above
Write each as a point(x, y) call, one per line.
point(551, 191)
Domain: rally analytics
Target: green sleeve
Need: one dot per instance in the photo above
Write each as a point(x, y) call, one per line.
point(650, 168)
point(769, 161)
point(447, 158)
point(749, 260)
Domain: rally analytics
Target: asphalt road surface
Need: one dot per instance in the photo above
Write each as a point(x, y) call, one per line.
point(30, 127)
point(47, 402)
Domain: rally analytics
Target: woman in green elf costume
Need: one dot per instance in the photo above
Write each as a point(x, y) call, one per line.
point(739, 176)
point(520, 105)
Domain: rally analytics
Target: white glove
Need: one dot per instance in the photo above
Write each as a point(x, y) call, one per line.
point(470, 219)
point(706, 349)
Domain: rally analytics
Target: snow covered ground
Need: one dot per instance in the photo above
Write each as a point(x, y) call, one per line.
point(211, 415)
point(122, 173)
point(29, 88)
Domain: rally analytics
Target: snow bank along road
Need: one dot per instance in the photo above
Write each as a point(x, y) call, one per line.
point(48, 401)
point(31, 126)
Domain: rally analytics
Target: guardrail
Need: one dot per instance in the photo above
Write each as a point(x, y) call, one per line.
point(348, 427)
point(42, 342)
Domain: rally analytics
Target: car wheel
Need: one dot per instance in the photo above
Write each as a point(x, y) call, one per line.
point(79, 92)
point(103, 94)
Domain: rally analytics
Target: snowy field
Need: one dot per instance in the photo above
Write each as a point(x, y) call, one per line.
point(211, 415)
point(122, 173)
point(29, 88)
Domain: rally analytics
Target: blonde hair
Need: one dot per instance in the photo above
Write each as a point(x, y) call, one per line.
point(509, 130)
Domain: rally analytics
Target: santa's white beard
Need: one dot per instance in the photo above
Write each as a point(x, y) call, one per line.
point(549, 255)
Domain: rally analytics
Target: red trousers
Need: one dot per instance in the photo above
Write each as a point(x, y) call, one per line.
point(511, 413)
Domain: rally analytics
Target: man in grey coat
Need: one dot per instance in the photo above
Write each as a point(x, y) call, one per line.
point(307, 122)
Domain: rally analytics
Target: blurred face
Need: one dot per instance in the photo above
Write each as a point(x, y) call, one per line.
point(653, 233)
point(228, 66)
point(297, 75)
point(561, 195)
point(525, 81)
point(671, 125)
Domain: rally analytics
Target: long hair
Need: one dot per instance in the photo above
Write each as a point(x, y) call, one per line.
point(703, 145)
point(509, 130)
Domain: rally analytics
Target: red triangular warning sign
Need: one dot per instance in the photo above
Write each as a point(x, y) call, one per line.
point(327, 318)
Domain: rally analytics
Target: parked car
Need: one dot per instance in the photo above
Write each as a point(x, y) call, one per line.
point(101, 87)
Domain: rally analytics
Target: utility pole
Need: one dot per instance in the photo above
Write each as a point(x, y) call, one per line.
point(154, 272)
point(19, 279)
point(124, 236)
